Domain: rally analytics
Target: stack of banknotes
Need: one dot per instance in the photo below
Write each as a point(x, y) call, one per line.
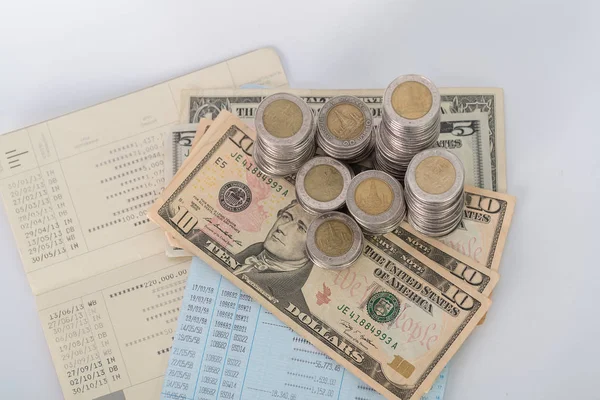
point(109, 203)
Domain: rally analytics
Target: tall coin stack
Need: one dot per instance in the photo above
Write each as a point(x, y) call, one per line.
point(285, 134)
point(376, 202)
point(410, 123)
point(344, 129)
point(434, 190)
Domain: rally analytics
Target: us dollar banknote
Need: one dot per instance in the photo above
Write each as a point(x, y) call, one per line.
point(464, 268)
point(482, 233)
point(491, 102)
point(395, 327)
point(480, 236)
point(478, 139)
point(178, 142)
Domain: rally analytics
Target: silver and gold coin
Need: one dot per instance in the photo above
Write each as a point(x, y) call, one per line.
point(375, 199)
point(334, 241)
point(434, 191)
point(322, 184)
point(410, 123)
point(345, 129)
point(285, 134)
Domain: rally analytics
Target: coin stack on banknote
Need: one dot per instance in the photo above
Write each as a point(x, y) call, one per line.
point(334, 241)
point(410, 123)
point(285, 131)
point(322, 184)
point(435, 186)
point(345, 129)
point(376, 202)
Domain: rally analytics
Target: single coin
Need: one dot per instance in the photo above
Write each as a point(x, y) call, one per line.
point(374, 196)
point(345, 121)
point(282, 118)
point(435, 175)
point(334, 238)
point(334, 241)
point(412, 100)
point(323, 182)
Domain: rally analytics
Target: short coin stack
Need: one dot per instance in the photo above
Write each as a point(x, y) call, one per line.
point(334, 241)
point(322, 184)
point(410, 123)
point(345, 129)
point(376, 201)
point(285, 131)
point(434, 190)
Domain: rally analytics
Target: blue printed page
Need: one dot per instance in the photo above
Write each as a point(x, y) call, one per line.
point(227, 346)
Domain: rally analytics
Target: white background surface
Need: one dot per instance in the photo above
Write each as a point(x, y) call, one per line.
point(541, 337)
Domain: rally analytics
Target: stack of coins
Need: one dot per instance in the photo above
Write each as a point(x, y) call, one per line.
point(345, 127)
point(376, 201)
point(334, 241)
point(410, 123)
point(285, 134)
point(322, 184)
point(434, 193)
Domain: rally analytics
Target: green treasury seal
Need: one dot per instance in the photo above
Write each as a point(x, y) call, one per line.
point(383, 307)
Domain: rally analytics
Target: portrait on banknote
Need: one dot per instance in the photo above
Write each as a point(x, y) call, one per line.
point(279, 264)
point(274, 262)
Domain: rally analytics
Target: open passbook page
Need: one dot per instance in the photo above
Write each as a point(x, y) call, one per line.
point(76, 190)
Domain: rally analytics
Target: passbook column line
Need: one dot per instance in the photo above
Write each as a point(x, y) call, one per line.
point(208, 336)
point(228, 342)
point(251, 348)
point(341, 383)
point(115, 335)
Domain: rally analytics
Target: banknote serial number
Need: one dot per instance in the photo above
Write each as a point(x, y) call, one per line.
point(366, 325)
point(242, 159)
